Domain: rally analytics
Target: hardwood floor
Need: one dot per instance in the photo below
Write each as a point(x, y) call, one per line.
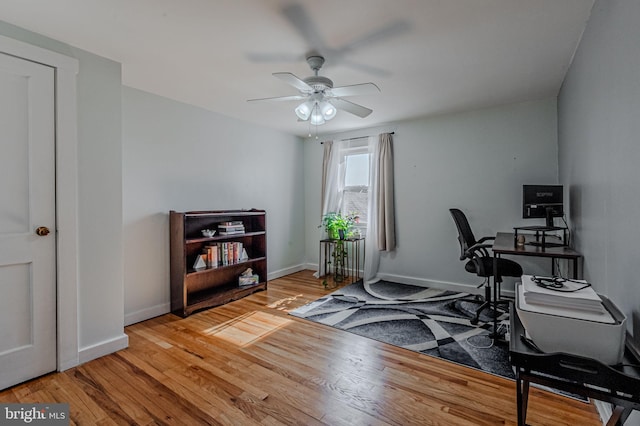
point(250, 363)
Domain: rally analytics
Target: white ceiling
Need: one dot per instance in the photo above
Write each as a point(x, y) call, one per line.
point(427, 56)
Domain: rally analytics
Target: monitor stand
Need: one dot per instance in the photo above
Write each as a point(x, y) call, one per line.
point(545, 244)
point(541, 236)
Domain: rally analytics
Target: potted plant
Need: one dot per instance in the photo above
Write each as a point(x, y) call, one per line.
point(338, 228)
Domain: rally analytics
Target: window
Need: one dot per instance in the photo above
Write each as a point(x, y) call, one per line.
point(355, 195)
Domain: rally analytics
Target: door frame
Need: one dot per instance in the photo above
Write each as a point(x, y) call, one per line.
point(66, 157)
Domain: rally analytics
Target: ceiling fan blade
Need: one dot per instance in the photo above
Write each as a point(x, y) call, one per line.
point(354, 109)
point(392, 30)
point(280, 98)
point(354, 89)
point(274, 57)
point(367, 69)
point(298, 17)
point(294, 81)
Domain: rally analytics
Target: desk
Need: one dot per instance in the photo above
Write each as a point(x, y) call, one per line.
point(505, 244)
point(571, 373)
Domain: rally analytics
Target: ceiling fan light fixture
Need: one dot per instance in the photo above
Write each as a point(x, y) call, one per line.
point(303, 111)
point(327, 109)
point(316, 117)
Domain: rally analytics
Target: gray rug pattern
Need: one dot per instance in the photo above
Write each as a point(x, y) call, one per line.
point(430, 321)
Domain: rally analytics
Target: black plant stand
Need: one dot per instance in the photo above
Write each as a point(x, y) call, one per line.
point(350, 254)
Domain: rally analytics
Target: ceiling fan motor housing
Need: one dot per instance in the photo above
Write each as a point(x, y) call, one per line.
point(319, 83)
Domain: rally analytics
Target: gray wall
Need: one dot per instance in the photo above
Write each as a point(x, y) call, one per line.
point(180, 157)
point(100, 268)
point(476, 161)
point(599, 124)
point(175, 157)
point(598, 128)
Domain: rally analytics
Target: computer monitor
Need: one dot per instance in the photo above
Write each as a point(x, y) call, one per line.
point(542, 201)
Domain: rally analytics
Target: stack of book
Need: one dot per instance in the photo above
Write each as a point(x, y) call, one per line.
point(231, 228)
point(573, 295)
point(224, 254)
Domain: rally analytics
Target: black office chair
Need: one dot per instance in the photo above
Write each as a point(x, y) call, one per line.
point(480, 262)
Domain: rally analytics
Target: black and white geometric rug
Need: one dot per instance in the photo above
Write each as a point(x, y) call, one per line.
point(429, 321)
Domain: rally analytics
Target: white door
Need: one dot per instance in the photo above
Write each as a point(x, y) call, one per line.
point(27, 197)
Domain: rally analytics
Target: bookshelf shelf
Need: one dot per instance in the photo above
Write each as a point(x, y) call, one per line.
point(214, 297)
point(221, 237)
point(193, 290)
point(191, 271)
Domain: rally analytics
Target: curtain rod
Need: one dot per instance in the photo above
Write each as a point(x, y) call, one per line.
point(361, 137)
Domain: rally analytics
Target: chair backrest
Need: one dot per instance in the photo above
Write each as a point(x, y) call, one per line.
point(465, 234)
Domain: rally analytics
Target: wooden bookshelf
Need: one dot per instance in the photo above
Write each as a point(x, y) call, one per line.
point(193, 290)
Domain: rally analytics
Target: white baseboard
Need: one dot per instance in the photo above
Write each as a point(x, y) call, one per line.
point(286, 271)
point(165, 308)
point(604, 410)
point(423, 282)
point(311, 266)
point(103, 348)
point(147, 313)
point(442, 285)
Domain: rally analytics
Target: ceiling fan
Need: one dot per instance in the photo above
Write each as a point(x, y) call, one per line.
point(299, 18)
point(320, 99)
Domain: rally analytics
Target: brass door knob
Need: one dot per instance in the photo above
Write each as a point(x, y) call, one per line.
point(42, 231)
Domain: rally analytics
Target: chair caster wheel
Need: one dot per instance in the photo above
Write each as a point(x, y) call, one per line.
point(474, 321)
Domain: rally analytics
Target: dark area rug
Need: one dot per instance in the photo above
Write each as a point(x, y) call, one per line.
point(429, 321)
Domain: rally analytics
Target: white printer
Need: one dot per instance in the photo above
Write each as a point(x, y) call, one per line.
point(578, 322)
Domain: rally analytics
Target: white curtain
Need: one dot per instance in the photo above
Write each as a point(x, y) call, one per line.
point(380, 235)
point(381, 228)
point(372, 254)
point(332, 177)
point(332, 182)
